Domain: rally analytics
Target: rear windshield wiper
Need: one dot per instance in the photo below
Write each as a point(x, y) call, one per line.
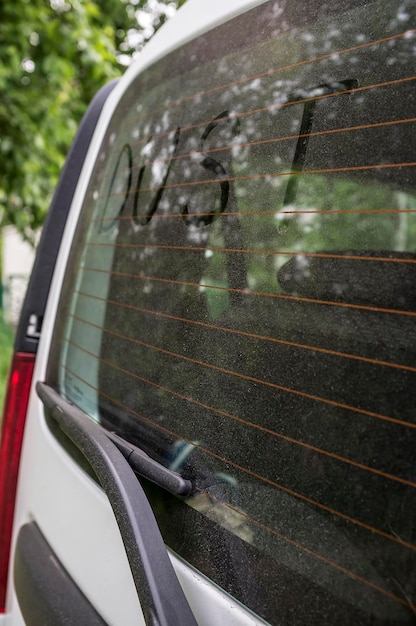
point(161, 597)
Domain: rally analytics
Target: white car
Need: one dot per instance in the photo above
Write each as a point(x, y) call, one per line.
point(211, 410)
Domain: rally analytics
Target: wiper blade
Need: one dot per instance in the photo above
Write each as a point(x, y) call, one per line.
point(161, 597)
point(145, 466)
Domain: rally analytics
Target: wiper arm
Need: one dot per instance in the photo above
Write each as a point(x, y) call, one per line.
point(161, 597)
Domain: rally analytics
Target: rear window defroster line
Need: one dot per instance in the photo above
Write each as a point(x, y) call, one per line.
point(161, 597)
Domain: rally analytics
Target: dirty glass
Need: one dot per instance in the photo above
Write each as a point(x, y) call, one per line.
point(241, 304)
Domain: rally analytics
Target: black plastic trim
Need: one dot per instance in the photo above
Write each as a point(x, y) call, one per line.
point(161, 597)
point(31, 317)
point(46, 593)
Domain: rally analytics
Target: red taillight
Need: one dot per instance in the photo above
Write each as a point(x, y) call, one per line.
point(14, 417)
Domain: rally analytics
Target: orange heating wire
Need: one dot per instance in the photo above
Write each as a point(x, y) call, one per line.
point(257, 476)
point(277, 70)
point(242, 333)
point(310, 552)
point(280, 105)
point(232, 463)
point(274, 175)
point(255, 380)
point(277, 139)
point(276, 212)
point(259, 381)
point(273, 140)
point(263, 429)
point(248, 292)
point(330, 170)
point(319, 255)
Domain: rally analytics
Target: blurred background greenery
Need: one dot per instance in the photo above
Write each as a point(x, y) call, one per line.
point(6, 346)
point(54, 56)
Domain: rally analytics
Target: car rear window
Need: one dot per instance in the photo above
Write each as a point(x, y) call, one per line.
point(240, 302)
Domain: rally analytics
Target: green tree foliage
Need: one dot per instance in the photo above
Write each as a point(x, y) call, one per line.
point(54, 56)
